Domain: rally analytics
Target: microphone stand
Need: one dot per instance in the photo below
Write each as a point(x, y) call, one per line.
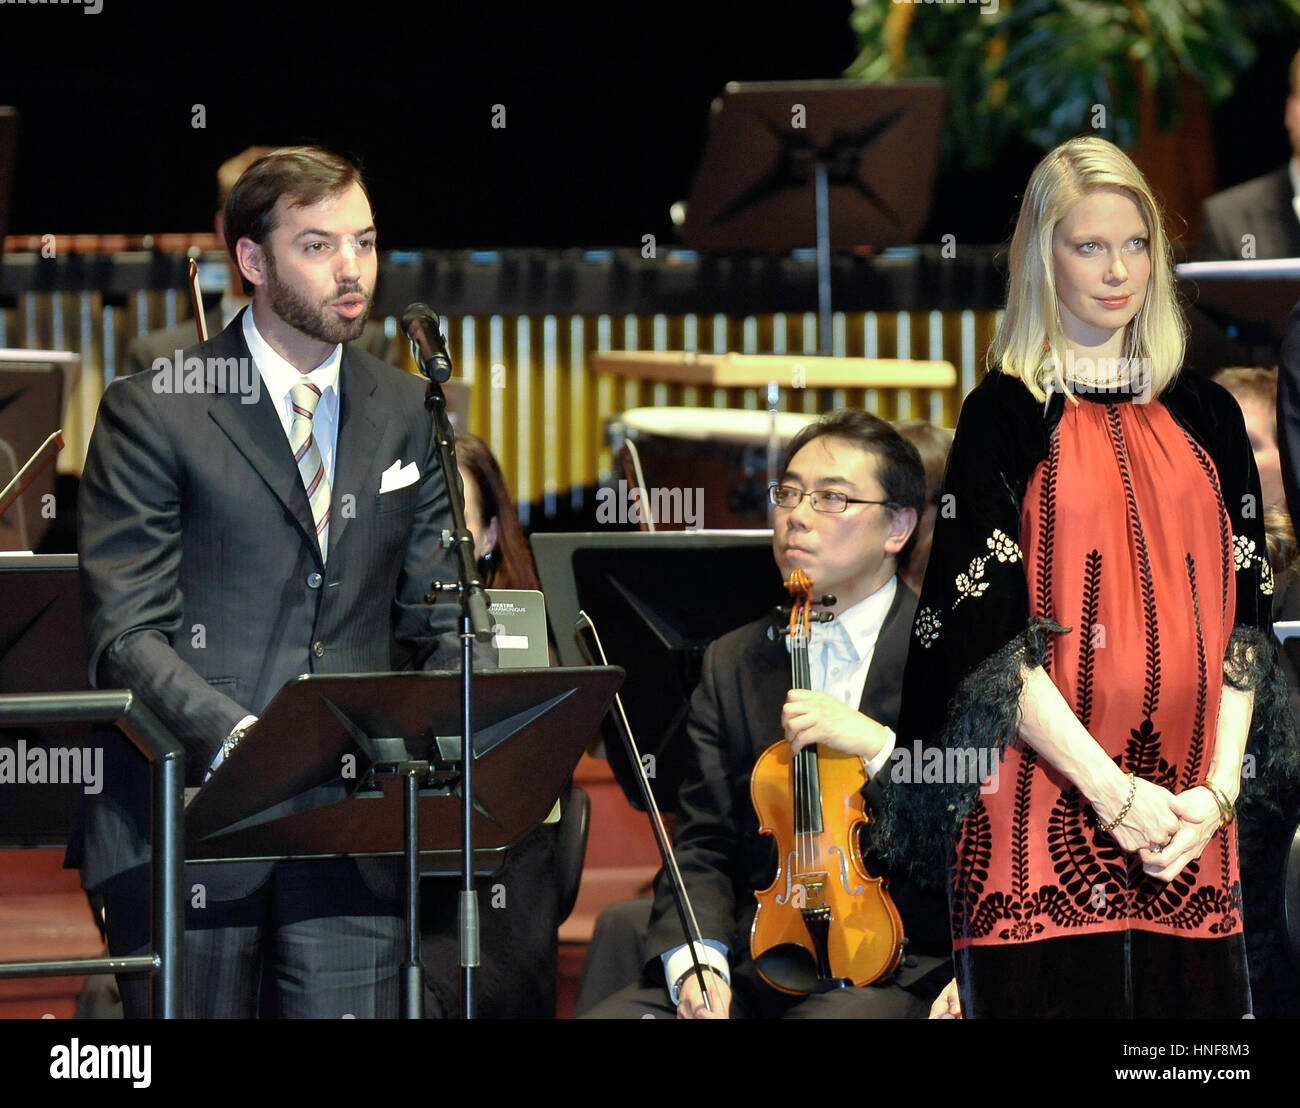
point(475, 622)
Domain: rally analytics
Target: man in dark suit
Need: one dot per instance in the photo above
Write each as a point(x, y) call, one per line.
point(846, 508)
point(221, 306)
point(272, 507)
point(1258, 219)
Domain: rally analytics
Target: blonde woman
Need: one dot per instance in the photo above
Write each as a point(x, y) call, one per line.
point(1093, 630)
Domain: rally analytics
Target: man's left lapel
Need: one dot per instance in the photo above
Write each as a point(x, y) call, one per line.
point(765, 680)
point(882, 690)
point(356, 464)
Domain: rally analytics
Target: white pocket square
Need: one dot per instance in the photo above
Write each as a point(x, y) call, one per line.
point(398, 476)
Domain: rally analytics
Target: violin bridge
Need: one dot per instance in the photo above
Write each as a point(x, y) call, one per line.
point(812, 884)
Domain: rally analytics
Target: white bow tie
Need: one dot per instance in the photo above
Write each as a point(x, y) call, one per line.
point(833, 638)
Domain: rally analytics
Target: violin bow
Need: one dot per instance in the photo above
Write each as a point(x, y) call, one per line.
point(197, 298)
point(685, 912)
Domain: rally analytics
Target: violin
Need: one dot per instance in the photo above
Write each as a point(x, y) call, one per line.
point(824, 922)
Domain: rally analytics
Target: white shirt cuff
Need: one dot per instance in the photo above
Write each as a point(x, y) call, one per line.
point(677, 964)
point(876, 764)
point(247, 721)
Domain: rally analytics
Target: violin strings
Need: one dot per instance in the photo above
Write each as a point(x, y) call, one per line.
point(802, 792)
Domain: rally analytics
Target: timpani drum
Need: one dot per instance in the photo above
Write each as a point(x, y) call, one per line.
point(704, 467)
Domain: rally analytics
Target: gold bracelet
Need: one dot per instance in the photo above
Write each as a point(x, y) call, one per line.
point(1226, 812)
point(1132, 789)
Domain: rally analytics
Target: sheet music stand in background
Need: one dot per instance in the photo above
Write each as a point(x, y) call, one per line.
point(1287, 633)
point(42, 650)
point(1248, 302)
point(35, 387)
point(840, 163)
point(8, 157)
point(658, 600)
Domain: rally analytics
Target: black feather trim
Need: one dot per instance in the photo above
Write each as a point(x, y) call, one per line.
point(1271, 777)
point(918, 820)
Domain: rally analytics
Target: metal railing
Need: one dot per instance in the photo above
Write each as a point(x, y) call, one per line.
point(166, 759)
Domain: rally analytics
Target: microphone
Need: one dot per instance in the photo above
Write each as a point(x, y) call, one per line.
point(421, 325)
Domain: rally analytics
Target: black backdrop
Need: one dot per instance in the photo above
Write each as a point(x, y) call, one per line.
point(605, 106)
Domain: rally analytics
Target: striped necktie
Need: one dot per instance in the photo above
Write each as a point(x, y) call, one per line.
point(311, 467)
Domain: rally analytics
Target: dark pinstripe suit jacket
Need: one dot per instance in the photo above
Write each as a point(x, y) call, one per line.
point(203, 585)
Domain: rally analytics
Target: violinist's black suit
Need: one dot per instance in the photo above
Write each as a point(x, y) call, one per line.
point(735, 716)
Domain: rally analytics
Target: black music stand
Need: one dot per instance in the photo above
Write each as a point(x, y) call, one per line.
point(658, 600)
point(1248, 302)
point(791, 164)
point(35, 387)
point(8, 156)
point(318, 774)
point(42, 650)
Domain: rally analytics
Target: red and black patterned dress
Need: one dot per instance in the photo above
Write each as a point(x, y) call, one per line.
point(1112, 552)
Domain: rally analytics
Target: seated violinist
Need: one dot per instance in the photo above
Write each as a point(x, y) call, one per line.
point(845, 509)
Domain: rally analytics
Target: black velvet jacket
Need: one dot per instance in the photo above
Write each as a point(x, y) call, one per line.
point(962, 683)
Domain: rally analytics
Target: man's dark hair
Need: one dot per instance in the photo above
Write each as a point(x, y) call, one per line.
point(304, 174)
point(898, 464)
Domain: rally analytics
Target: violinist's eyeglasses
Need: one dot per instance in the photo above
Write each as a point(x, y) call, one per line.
point(829, 502)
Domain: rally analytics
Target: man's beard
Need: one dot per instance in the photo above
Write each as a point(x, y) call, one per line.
point(316, 321)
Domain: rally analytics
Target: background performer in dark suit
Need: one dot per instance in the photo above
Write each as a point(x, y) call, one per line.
point(211, 578)
point(1263, 207)
point(744, 702)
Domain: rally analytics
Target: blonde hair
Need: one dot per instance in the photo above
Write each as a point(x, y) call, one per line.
point(1250, 382)
point(1030, 343)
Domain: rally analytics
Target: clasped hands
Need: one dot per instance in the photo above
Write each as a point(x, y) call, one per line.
point(1166, 830)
